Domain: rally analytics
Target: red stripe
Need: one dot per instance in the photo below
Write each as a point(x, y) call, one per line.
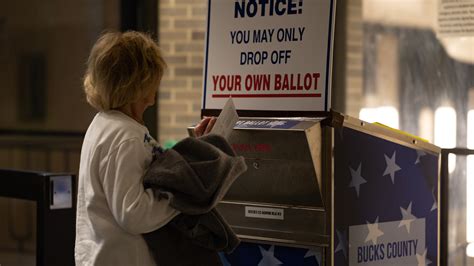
point(302, 95)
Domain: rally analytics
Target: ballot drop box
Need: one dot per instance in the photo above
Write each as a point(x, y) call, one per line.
point(332, 190)
point(326, 189)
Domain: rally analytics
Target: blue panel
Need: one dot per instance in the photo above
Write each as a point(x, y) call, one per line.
point(285, 124)
point(390, 191)
point(248, 254)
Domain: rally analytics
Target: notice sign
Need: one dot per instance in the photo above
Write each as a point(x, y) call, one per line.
point(272, 55)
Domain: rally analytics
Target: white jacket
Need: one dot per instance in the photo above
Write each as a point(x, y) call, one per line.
point(113, 208)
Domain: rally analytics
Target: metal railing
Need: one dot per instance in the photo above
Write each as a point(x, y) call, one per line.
point(48, 151)
point(454, 208)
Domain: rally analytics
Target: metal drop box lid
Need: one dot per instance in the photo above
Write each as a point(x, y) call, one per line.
point(299, 188)
point(280, 196)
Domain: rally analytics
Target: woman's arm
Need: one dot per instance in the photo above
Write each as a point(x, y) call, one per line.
point(135, 209)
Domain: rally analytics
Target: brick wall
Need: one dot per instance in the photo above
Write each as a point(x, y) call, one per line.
point(182, 26)
point(354, 58)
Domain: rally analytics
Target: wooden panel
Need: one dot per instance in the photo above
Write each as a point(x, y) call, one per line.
point(19, 158)
point(73, 164)
point(5, 158)
point(18, 224)
point(57, 161)
point(37, 159)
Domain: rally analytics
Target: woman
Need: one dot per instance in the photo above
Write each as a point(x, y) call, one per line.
point(123, 74)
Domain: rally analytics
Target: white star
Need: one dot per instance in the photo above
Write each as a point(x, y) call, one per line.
point(268, 258)
point(342, 245)
point(407, 217)
point(314, 253)
point(357, 179)
point(422, 260)
point(419, 154)
point(392, 167)
point(224, 260)
point(374, 232)
point(435, 204)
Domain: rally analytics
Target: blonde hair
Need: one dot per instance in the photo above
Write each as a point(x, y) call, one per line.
point(121, 69)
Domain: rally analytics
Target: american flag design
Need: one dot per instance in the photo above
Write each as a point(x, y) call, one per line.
point(385, 202)
point(248, 254)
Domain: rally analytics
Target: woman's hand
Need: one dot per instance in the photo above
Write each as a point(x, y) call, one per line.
point(205, 126)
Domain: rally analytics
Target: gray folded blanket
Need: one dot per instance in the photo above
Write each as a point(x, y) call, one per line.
point(194, 175)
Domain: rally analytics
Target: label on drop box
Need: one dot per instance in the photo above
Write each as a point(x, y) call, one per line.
point(264, 213)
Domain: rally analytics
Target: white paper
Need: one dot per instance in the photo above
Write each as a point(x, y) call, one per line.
point(226, 120)
point(455, 18)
